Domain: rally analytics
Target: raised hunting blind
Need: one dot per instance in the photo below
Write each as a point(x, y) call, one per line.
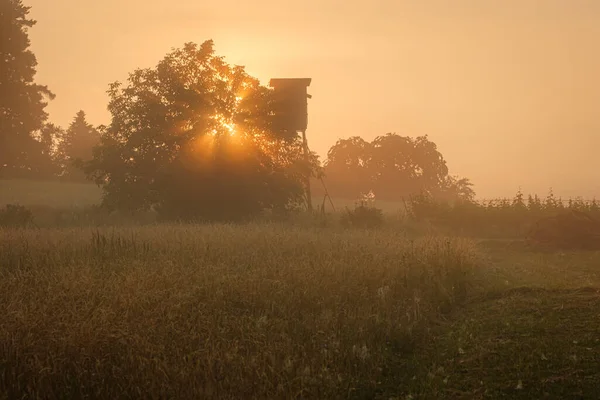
point(290, 106)
point(290, 114)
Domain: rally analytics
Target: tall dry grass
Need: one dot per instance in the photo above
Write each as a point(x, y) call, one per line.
point(256, 311)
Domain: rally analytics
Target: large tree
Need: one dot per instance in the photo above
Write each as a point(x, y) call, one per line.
point(76, 147)
point(393, 167)
point(22, 102)
point(192, 137)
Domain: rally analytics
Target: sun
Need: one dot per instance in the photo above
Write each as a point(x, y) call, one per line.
point(226, 123)
point(228, 126)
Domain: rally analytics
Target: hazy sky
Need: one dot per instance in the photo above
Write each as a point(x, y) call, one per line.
point(508, 89)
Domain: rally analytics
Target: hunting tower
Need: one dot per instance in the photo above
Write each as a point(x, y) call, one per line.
point(290, 110)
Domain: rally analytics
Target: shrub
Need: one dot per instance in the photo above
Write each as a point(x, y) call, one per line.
point(512, 218)
point(364, 215)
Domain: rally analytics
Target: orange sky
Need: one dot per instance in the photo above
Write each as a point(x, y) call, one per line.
point(508, 89)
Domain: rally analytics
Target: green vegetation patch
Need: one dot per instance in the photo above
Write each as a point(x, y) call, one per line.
point(527, 344)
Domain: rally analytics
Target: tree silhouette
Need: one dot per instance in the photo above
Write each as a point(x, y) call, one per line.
point(76, 147)
point(22, 102)
point(347, 169)
point(48, 160)
point(402, 166)
point(192, 138)
point(393, 167)
point(456, 188)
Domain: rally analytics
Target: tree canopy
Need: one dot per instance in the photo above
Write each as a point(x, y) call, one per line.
point(50, 162)
point(192, 138)
point(76, 147)
point(22, 102)
point(393, 167)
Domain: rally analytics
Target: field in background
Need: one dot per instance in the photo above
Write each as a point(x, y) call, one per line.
point(66, 195)
point(49, 194)
point(388, 207)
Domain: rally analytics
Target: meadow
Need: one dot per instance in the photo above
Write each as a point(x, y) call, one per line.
point(300, 309)
point(253, 311)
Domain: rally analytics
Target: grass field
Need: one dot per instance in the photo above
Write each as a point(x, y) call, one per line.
point(269, 311)
point(305, 309)
point(256, 311)
point(537, 335)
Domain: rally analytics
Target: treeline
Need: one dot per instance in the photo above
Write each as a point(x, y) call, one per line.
point(55, 153)
point(30, 146)
point(65, 151)
point(195, 138)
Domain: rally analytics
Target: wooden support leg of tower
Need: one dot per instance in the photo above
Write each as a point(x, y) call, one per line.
point(327, 196)
point(307, 160)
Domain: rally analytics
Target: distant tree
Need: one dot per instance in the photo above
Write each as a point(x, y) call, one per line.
point(393, 167)
point(22, 102)
point(48, 160)
point(346, 167)
point(402, 166)
point(192, 138)
point(76, 147)
point(455, 188)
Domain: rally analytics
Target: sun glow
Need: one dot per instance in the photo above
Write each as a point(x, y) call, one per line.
point(223, 125)
point(228, 126)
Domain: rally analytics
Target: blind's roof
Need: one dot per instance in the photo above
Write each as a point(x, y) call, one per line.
point(290, 82)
